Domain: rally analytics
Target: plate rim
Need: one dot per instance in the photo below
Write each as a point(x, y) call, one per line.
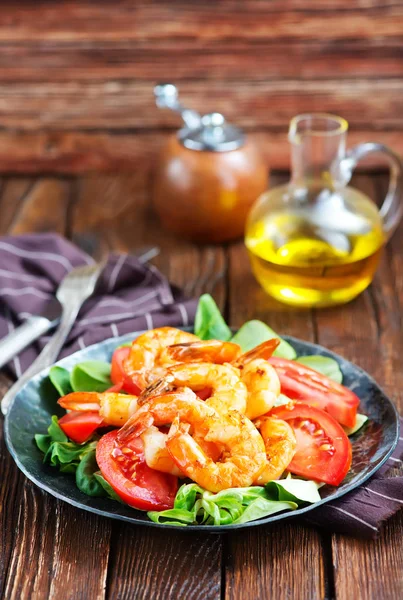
point(212, 529)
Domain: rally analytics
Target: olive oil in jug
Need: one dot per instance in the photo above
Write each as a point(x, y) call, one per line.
point(316, 242)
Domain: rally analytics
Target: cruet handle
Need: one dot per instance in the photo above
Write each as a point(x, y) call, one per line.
point(391, 210)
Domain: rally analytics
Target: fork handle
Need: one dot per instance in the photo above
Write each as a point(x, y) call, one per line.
point(47, 357)
point(22, 337)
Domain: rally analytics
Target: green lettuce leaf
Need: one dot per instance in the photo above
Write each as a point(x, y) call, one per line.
point(323, 364)
point(253, 333)
point(260, 507)
point(55, 434)
point(110, 492)
point(194, 505)
point(173, 516)
point(61, 380)
point(360, 421)
point(209, 323)
point(85, 476)
point(91, 376)
point(61, 452)
point(293, 490)
point(186, 496)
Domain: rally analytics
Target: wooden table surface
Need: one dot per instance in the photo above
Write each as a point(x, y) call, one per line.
point(51, 550)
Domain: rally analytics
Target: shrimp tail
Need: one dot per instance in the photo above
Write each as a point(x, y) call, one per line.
point(264, 350)
point(158, 388)
point(136, 425)
point(81, 401)
point(214, 351)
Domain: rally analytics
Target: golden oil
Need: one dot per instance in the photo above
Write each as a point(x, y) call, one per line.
point(321, 251)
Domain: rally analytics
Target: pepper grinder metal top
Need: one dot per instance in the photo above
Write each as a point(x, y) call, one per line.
point(210, 132)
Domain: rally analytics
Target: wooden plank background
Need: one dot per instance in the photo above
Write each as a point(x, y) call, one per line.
point(76, 78)
point(52, 551)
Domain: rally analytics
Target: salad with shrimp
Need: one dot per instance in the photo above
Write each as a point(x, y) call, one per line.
point(205, 427)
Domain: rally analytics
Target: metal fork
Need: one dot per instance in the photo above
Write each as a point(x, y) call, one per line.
point(76, 287)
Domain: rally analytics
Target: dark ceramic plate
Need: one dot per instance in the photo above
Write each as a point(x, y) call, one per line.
point(34, 405)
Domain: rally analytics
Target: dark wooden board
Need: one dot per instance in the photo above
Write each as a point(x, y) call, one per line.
point(48, 548)
point(51, 550)
point(118, 105)
point(226, 60)
point(187, 567)
point(69, 152)
point(164, 22)
point(76, 83)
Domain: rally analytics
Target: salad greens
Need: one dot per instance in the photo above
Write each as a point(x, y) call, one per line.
point(61, 380)
point(193, 505)
point(196, 506)
point(323, 364)
point(253, 333)
point(85, 475)
point(88, 376)
point(69, 457)
point(209, 322)
point(91, 376)
point(360, 421)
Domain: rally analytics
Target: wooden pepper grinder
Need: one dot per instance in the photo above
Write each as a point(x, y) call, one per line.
point(208, 175)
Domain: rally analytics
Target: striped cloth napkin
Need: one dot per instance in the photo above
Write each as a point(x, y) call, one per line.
point(360, 513)
point(130, 297)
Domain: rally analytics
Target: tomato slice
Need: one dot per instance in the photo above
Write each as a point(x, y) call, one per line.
point(80, 425)
point(118, 373)
point(116, 388)
point(299, 382)
point(323, 449)
point(131, 478)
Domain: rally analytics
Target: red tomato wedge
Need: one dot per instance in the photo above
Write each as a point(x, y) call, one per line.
point(323, 449)
point(299, 382)
point(131, 478)
point(118, 374)
point(79, 426)
point(116, 388)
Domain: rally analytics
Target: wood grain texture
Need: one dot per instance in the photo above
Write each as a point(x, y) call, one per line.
point(12, 195)
point(146, 562)
point(230, 60)
point(162, 565)
point(123, 221)
point(83, 72)
point(117, 105)
point(67, 152)
point(49, 547)
point(279, 562)
point(286, 561)
point(165, 22)
point(50, 550)
point(369, 332)
point(44, 208)
point(10, 494)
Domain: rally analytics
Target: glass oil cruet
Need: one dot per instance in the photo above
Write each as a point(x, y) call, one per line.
point(317, 241)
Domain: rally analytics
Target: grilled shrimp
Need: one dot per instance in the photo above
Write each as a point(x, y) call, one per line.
point(148, 356)
point(162, 410)
point(114, 408)
point(155, 452)
point(213, 351)
point(241, 462)
point(280, 445)
point(225, 389)
point(260, 378)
